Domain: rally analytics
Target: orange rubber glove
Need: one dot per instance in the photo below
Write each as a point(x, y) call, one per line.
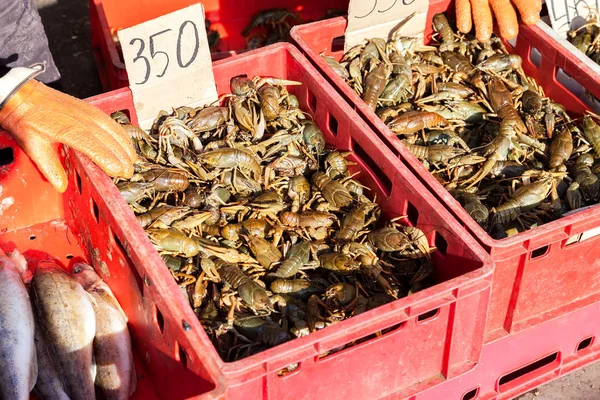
point(38, 116)
point(479, 12)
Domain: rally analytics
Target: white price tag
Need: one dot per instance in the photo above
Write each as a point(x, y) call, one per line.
point(378, 18)
point(570, 14)
point(168, 63)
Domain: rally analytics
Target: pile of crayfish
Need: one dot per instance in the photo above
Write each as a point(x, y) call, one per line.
point(273, 25)
point(587, 37)
point(513, 158)
point(265, 230)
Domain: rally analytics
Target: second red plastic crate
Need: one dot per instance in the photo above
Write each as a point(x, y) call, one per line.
point(541, 273)
point(437, 333)
point(228, 17)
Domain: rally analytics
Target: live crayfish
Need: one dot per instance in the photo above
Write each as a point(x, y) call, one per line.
point(264, 229)
point(512, 158)
point(273, 25)
point(585, 37)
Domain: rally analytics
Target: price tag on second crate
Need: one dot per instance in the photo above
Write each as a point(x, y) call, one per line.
point(378, 18)
point(168, 63)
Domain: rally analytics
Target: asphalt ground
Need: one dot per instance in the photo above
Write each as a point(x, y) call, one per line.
point(67, 25)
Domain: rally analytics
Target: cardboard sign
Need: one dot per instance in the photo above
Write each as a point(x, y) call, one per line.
point(570, 14)
point(379, 18)
point(168, 63)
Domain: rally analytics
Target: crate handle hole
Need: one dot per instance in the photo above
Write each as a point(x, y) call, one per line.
point(412, 213)
point(573, 240)
point(383, 181)
point(311, 100)
point(7, 156)
point(393, 328)
point(32, 237)
point(333, 124)
point(569, 83)
point(181, 354)
point(95, 211)
point(441, 244)
point(118, 243)
point(69, 256)
point(78, 182)
point(580, 237)
point(539, 252)
point(535, 56)
point(337, 44)
point(289, 370)
point(471, 394)
point(527, 369)
point(585, 343)
point(160, 320)
point(377, 335)
point(120, 251)
point(428, 315)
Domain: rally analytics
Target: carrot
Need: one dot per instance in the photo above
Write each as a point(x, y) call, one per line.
point(464, 22)
point(506, 18)
point(529, 10)
point(483, 19)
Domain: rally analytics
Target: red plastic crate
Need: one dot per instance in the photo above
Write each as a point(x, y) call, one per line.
point(228, 17)
point(438, 333)
point(518, 363)
point(541, 273)
point(82, 225)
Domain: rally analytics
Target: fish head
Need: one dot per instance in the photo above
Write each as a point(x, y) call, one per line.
point(85, 275)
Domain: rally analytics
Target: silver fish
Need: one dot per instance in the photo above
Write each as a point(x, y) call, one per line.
point(18, 361)
point(115, 375)
point(66, 313)
point(49, 385)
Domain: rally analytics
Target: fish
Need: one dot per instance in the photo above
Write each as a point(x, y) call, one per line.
point(115, 370)
point(49, 385)
point(66, 313)
point(18, 360)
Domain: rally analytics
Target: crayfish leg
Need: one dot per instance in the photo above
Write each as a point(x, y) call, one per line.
point(481, 174)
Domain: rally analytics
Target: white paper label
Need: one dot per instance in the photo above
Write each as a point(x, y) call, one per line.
point(168, 63)
point(569, 14)
point(379, 18)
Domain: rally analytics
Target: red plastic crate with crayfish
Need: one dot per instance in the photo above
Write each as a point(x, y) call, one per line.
point(540, 273)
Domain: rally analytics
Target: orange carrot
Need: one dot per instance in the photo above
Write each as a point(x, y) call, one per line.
point(506, 18)
point(529, 10)
point(483, 19)
point(464, 22)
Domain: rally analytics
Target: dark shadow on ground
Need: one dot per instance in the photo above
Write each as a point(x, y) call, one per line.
point(67, 25)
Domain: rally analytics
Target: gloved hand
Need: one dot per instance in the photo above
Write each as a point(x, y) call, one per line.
point(38, 116)
point(504, 10)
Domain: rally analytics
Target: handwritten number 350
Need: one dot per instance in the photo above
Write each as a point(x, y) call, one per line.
point(382, 10)
point(154, 52)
